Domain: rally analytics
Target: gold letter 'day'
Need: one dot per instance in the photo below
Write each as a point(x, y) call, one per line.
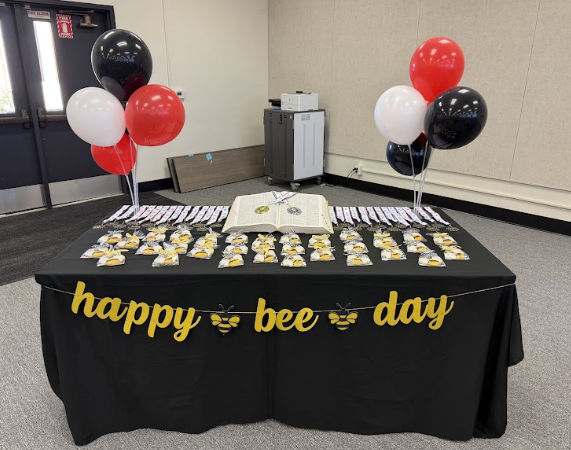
point(412, 310)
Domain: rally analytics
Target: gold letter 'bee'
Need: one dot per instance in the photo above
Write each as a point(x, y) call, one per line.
point(224, 321)
point(343, 318)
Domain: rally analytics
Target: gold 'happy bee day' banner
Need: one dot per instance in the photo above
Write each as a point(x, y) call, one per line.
point(417, 310)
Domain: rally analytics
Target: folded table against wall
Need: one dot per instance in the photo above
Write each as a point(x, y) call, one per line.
point(449, 382)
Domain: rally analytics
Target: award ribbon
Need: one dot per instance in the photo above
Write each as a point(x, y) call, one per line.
point(127, 214)
point(404, 215)
point(436, 215)
point(332, 215)
point(372, 214)
point(347, 215)
point(215, 215)
point(167, 215)
point(177, 213)
point(401, 217)
point(425, 215)
point(388, 214)
point(282, 197)
point(183, 214)
point(209, 213)
point(117, 214)
point(224, 214)
point(162, 212)
point(193, 213)
point(150, 210)
point(382, 216)
point(413, 216)
point(200, 215)
point(398, 217)
point(158, 214)
point(355, 214)
point(142, 210)
point(364, 215)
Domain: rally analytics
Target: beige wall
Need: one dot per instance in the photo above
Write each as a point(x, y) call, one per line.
point(216, 51)
point(517, 56)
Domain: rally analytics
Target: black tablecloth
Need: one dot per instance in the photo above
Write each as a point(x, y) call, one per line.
point(450, 382)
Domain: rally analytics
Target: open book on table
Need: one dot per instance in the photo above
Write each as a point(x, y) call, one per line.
point(313, 219)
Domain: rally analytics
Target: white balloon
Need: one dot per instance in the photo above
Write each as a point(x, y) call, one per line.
point(399, 114)
point(96, 116)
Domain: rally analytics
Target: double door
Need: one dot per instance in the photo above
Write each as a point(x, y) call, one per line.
point(45, 56)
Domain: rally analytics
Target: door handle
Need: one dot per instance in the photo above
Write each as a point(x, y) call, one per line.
point(23, 118)
point(43, 117)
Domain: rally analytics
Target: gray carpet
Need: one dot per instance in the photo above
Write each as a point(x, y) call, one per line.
point(55, 229)
point(539, 403)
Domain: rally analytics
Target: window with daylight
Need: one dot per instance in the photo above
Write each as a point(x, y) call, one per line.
point(6, 97)
point(48, 66)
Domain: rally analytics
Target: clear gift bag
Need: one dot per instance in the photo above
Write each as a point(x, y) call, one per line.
point(231, 261)
point(267, 257)
point(430, 259)
point(294, 261)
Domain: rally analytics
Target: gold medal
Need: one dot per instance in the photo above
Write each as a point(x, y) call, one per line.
point(262, 209)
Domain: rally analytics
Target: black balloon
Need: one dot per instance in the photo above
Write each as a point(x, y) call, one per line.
point(398, 156)
point(121, 62)
point(455, 118)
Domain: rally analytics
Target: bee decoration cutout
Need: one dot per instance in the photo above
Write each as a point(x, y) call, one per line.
point(342, 318)
point(225, 321)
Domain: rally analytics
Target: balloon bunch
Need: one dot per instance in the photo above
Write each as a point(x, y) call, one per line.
point(454, 117)
point(153, 114)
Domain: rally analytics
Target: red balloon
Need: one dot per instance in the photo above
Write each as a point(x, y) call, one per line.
point(437, 65)
point(118, 159)
point(154, 115)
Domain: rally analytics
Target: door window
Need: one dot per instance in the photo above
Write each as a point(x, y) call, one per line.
point(48, 65)
point(6, 96)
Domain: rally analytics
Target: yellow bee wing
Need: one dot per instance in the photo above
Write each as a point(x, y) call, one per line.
point(234, 321)
point(333, 318)
point(216, 319)
point(352, 317)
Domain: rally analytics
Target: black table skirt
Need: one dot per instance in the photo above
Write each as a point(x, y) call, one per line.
point(450, 383)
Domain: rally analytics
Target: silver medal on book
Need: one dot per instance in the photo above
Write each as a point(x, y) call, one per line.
point(294, 210)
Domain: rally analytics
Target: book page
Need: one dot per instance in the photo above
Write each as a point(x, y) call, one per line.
point(243, 216)
point(314, 217)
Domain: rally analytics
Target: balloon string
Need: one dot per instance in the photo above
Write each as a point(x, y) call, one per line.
point(422, 186)
point(413, 176)
point(136, 187)
point(126, 174)
point(423, 177)
point(135, 174)
point(134, 165)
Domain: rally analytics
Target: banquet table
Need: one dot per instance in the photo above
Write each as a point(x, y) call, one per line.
point(449, 382)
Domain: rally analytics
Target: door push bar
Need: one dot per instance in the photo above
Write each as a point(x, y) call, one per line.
point(43, 117)
point(23, 118)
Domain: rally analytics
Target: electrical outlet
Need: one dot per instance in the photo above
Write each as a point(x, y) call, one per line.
point(358, 169)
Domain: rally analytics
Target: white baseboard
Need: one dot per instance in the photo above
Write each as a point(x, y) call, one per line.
point(537, 200)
